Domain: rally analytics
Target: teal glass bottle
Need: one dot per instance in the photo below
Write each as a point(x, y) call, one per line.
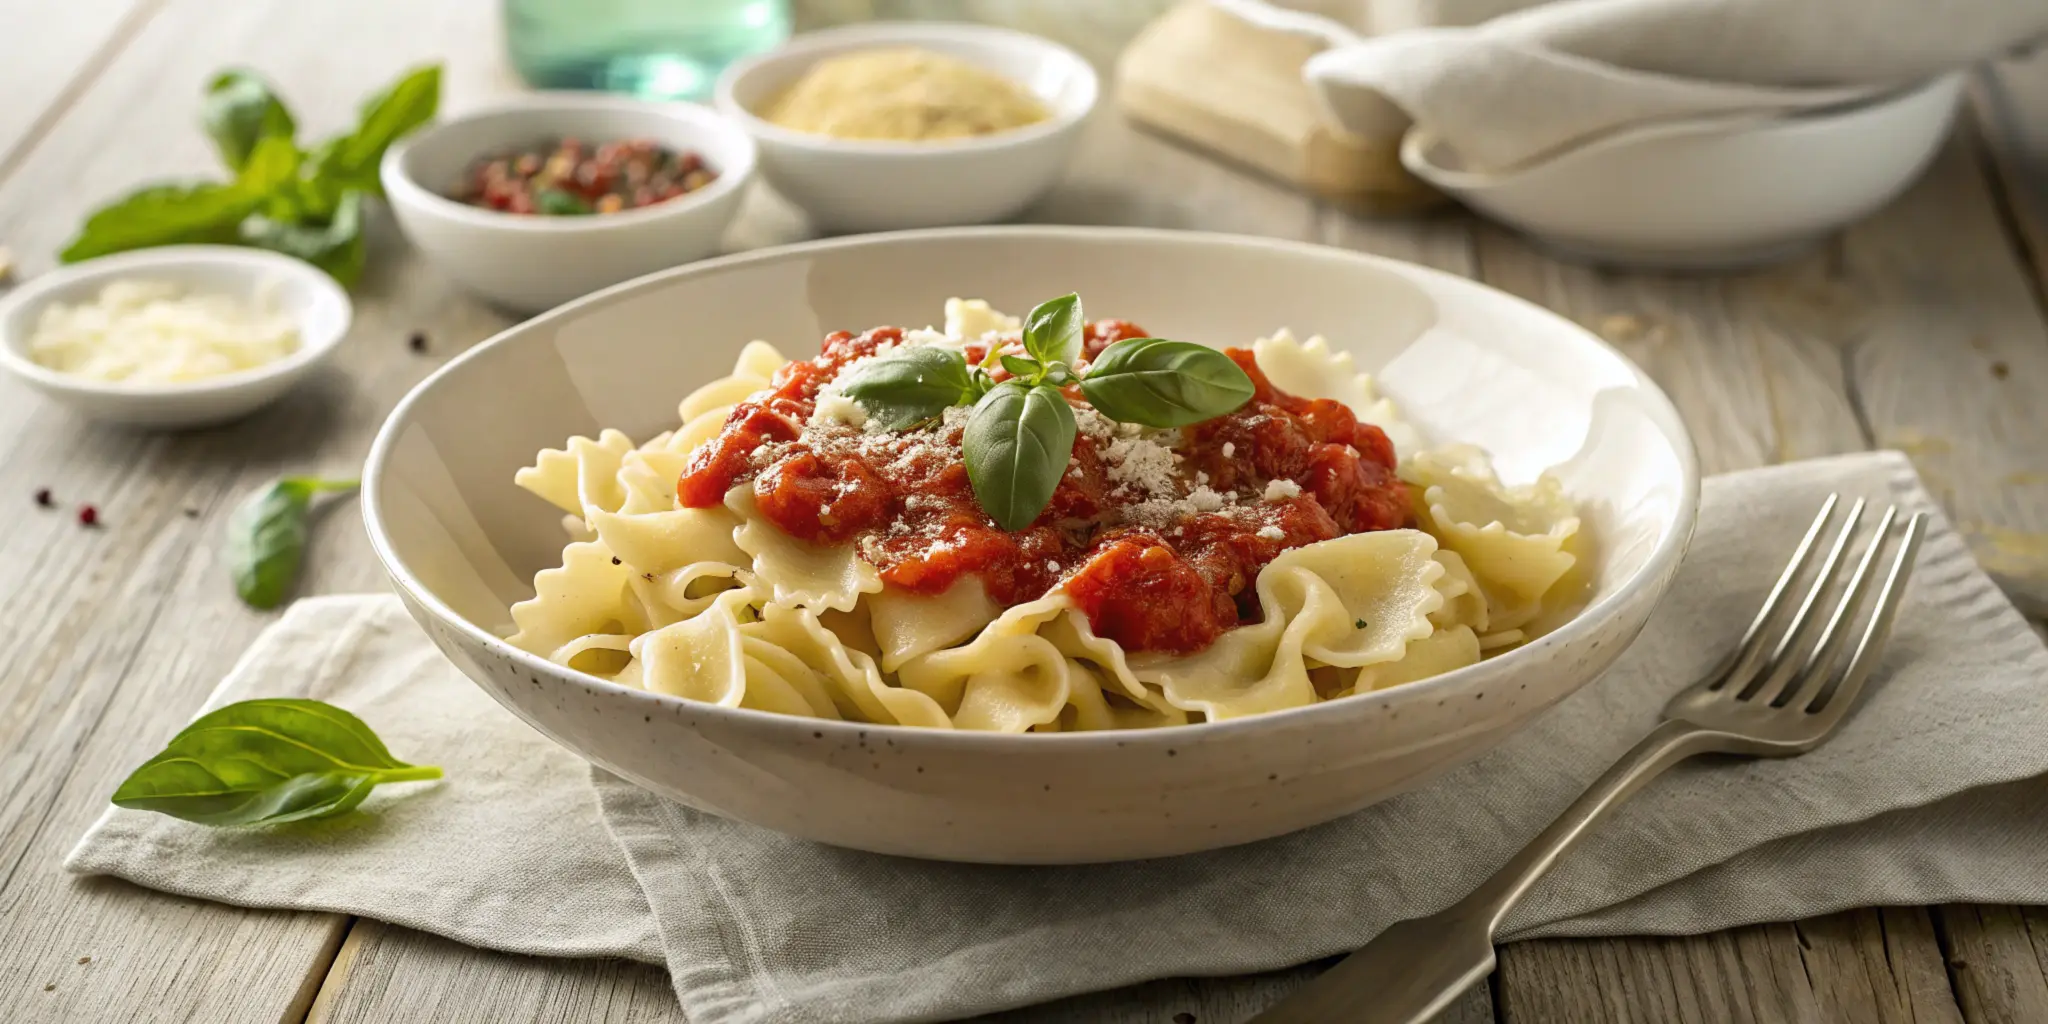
point(655, 49)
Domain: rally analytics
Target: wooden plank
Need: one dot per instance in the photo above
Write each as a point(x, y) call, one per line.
point(1947, 354)
point(115, 634)
point(2010, 99)
point(1998, 961)
point(41, 80)
point(1877, 966)
point(1755, 383)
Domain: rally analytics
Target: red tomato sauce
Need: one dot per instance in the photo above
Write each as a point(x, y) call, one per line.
point(1151, 574)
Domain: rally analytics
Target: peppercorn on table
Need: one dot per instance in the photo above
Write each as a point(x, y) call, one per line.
point(1921, 329)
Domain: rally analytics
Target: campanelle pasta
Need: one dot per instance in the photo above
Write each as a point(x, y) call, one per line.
point(719, 603)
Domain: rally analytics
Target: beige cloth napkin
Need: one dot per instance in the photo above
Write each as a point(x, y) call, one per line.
point(1544, 76)
point(1933, 792)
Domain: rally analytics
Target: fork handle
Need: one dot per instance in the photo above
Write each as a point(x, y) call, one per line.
point(1417, 967)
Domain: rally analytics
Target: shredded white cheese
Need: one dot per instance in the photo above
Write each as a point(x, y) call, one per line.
point(154, 332)
point(972, 318)
point(1281, 490)
point(1272, 533)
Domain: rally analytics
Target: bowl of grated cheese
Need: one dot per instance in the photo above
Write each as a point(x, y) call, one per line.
point(893, 125)
point(180, 336)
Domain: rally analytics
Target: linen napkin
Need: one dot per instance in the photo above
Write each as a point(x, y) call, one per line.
point(1542, 77)
point(1933, 792)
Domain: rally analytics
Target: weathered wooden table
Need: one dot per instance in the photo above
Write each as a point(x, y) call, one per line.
point(1922, 329)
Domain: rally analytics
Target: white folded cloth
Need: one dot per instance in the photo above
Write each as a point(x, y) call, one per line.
point(1516, 88)
point(1933, 792)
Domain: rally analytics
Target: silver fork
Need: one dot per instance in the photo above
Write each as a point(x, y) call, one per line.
point(1769, 698)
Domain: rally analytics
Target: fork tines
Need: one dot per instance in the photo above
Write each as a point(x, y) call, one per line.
point(1794, 664)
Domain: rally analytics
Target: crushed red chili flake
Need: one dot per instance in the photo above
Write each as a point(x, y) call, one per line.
point(569, 177)
point(88, 516)
point(43, 498)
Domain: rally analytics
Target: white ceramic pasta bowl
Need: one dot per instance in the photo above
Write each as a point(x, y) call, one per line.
point(862, 185)
point(1466, 362)
point(294, 287)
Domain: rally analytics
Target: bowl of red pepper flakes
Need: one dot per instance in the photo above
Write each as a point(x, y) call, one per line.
point(570, 177)
point(556, 195)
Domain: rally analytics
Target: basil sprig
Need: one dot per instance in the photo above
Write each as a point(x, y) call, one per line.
point(1016, 446)
point(267, 536)
point(304, 203)
point(263, 762)
point(910, 386)
point(1162, 383)
point(1021, 431)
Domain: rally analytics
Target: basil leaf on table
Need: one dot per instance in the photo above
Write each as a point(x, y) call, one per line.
point(1052, 330)
point(272, 165)
point(909, 385)
point(1160, 383)
point(1016, 447)
point(351, 160)
point(336, 247)
point(164, 215)
point(267, 538)
point(266, 762)
point(239, 112)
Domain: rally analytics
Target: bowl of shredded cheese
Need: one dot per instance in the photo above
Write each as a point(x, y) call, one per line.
point(896, 125)
point(180, 336)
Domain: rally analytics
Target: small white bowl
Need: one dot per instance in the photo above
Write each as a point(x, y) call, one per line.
point(869, 185)
point(293, 286)
point(526, 262)
point(1709, 192)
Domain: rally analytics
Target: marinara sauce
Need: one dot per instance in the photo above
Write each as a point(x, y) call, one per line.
point(1155, 568)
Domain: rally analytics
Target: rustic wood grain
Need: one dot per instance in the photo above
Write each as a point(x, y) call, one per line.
point(1947, 355)
point(41, 80)
point(1874, 966)
point(115, 634)
point(1998, 961)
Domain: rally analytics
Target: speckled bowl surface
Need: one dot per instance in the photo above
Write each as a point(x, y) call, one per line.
point(1466, 363)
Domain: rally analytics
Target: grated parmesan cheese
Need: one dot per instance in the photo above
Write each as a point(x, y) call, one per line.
point(1282, 489)
point(154, 332)
point(1272, 533)
point(834, 407)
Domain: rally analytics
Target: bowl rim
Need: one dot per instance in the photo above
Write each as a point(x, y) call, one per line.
point(811, 47)
point(1663, 558)
point(402, 187)
point(136, 263)
point(1418, 142)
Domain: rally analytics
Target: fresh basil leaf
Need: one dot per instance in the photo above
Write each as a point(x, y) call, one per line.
point(351, 160)
point(1052, 330)
point(266, 762)
point(163, 215)
point(1022, 368)
point(267, 536)
point(1016, 447)
point(269, 167)
point(336, 247)
point(1059, 375)
point(240, 112)
point(1162, 383)
point(909, 385)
